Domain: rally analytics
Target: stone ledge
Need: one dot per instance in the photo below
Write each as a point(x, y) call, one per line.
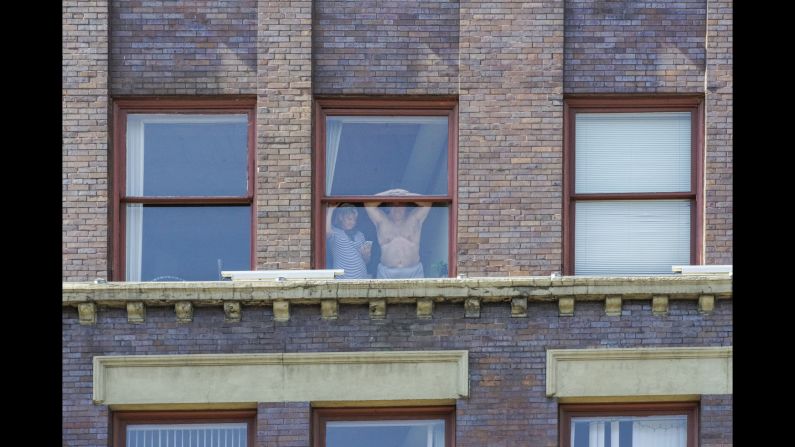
point(378, 294)
point(252, 293)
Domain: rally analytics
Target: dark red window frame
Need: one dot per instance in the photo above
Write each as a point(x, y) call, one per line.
point(689, 409)
point(383, 107)
point(612, 104)
point(322, 415)
point(208, 105)
point(123, 418)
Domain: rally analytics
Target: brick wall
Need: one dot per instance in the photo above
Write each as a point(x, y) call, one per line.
point(630, 46)
point(85, 140)
point(284, 135)
point(718, 104)
point(510, 138)
point(200, 47)
point(716, 421)
point(385, 47)
point(283, 424)
point(506, 407)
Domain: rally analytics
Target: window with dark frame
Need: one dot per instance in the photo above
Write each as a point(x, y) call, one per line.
point(633, 184)
point(398, 427)
point(184, 188)
point(385, 187)
point(228, 428)
point(673, 424)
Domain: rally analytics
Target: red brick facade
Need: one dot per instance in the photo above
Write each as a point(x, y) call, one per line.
point(509, 63)
point(507, 405)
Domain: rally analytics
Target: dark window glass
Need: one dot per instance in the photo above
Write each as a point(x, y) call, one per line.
point(366, 155)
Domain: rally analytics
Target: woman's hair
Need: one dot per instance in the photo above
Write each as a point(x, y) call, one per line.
point(346, 209)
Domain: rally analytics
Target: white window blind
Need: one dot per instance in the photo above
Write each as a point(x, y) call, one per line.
point(632, 152)
point(626, 237)
point(630, 431)
point(187, 435)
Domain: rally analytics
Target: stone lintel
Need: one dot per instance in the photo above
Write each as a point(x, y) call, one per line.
point(472, 308)
point(136, 312)
point(184, 310)
point(706, 304)
point(329, 309)
point(377, 309)
point(566, 306)
point(425, 308)
point(232, 311)
point(281, 310)
point(87, 313)
point(519, 307)
point(659, 305)
point(613, 306)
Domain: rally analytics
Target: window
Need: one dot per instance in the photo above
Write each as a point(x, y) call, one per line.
point(183, 429)
point(629, 425)
point(396, 427)
point(385, 187)
point(633, 185)
point(184, 188)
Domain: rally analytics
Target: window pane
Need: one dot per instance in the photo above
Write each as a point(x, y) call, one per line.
point(631, 236)
point(629, 431)
point(367, 155)
point(187, 155)
point(424, 433)
point(191, 243)
point(632, 152)
point(408, 246)
point(186, 435)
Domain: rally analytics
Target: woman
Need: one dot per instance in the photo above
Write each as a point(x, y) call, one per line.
point(349, 250)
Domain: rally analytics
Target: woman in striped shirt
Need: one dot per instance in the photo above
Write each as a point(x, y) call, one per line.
point(349, 250)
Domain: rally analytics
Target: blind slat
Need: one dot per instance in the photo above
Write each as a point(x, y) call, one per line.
point(632, 152)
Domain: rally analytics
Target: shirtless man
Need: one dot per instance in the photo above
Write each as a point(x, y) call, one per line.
point(399, 236)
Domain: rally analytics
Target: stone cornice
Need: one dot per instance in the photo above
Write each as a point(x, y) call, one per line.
point(378, 294)
point(581, 288)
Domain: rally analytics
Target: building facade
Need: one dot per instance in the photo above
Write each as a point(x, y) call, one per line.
point(531, 170)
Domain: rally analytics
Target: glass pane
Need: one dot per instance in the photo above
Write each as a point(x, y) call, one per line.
point(423, 433)
point(409, 241)
point(190, 243)
point(185, 435)
point(629, 431)
point(368, 155)
point(631, 236)
point(632, 152)
point(187, 155)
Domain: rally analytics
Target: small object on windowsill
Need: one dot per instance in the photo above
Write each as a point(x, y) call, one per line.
point(554, 275)
point(703, 269)
point(100, 281)
point(281, 275)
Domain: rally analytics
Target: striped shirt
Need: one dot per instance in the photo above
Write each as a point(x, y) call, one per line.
point(345, 253)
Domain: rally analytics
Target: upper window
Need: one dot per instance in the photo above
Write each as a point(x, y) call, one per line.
point(633, 185)
point(628, 425)
point(184, 190)
point(385, 187)
point(183, 429)
point(399, 427)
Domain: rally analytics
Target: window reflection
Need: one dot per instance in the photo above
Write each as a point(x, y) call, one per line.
point(366, 155)
point(403, 247)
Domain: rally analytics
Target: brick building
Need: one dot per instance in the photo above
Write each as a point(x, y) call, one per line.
point(504, 141)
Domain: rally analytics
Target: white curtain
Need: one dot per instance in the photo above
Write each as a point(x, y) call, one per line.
point(660, 433)
point(135, 187)
point(333, 134)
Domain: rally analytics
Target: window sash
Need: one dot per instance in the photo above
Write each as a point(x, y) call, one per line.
point(633, 152)
point(382, 111)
